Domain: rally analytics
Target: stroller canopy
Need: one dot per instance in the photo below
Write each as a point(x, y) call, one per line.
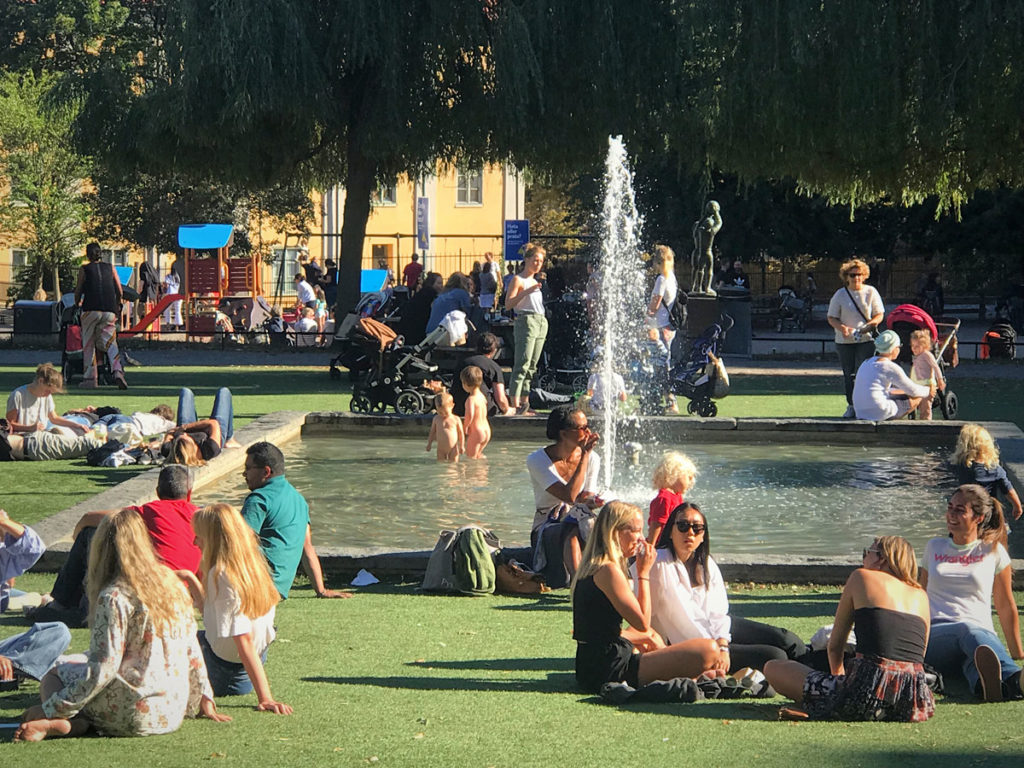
point(913, 314)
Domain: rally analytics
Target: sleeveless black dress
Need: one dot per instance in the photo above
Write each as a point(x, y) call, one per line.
point(602, 654)
point(886, 679)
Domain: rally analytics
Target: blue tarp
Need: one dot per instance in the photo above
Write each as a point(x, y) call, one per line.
point(124, 274)
point(372, 280)
point(205, 236)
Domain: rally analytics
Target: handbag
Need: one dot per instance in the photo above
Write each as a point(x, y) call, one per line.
point(867, 331)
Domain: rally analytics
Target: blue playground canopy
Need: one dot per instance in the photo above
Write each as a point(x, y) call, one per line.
point(204, 237)
point(372, 280)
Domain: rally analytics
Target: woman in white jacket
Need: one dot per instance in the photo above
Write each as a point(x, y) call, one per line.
point(688, 598)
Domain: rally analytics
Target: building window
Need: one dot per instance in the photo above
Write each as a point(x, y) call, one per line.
point(385, 194)
point(469, 186)
point(116, 256)
point(289, 266)
point(19, 258)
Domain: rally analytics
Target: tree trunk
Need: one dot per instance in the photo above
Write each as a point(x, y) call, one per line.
point(56, 282)
point(359, 182)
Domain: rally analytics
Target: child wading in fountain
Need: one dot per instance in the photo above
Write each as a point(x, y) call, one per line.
point(673, 477)
point(238, 599)
point(604, 392)
point(446, 430)
point(925, 370)
point(478, 430)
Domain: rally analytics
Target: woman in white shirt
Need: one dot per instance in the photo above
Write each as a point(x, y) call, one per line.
point(663, 296)
point(964, 574)
point(855, 311)
point(688, 599)
point(531, 326)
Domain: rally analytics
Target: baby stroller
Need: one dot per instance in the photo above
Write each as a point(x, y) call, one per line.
point(72, 361)
point(702, 378)
point(999, 342)
point(907, 318)
point(564, 362)
point(793, 311)
point(359, 357)
point(399, 375)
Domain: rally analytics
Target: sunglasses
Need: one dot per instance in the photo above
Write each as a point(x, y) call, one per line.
point(855, 274)
point(868, 550)
point(685, 525)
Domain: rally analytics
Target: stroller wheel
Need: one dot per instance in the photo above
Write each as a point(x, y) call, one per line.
point(360, 404)
point(709, 410)
point(950, 404)
point(579, 383)
point(409, 402)
point(548, 382)
point(692, 407)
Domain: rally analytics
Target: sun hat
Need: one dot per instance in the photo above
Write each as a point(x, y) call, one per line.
point(887, 342)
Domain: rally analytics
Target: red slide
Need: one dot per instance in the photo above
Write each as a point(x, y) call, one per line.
point(147, 321)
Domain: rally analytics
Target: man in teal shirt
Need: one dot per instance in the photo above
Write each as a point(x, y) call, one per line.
point(280, 516)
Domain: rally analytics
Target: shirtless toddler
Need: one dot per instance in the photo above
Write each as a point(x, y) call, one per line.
point(478, 429)
point(446, 430)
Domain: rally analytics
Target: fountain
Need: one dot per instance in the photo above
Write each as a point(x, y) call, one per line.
point(621, 314)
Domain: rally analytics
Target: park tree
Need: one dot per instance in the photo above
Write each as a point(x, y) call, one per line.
point(43, 206)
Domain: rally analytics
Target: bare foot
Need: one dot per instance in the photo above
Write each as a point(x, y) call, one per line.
point(232, 443)
point(37, 730)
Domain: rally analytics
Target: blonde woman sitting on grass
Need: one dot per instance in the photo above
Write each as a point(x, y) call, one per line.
point(144, 672)
point(238, 599)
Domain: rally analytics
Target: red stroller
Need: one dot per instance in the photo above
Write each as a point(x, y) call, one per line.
point(906, 319)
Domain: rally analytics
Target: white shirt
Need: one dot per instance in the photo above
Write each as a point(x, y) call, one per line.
point(151, 424)
point(667, 288)
point(31, 410)
point(960, 580)
point(680, 611)
point(304, 292)
point(844, 310)
point(224, 620)
point(543, 475)
point(595, 385)
point(875, 377)
point(532, 302)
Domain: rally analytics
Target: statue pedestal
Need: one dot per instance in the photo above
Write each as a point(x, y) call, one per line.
point(701, 311)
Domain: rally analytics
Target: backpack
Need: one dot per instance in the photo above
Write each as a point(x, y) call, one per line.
point(99, 454)
point(462, 561)
point(677, 312)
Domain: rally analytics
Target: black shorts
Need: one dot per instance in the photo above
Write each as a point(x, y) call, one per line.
point(597, 664)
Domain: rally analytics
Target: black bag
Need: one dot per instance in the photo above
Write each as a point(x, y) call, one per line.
point(677, 312)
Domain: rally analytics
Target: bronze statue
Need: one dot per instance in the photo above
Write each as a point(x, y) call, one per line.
point(702, 262)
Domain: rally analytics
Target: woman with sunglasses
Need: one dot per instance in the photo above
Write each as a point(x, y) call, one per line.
point(602, 598)
point(964, 574)
point(885, 680)
point(688, 599)
point(855, 311)
point(565, 477)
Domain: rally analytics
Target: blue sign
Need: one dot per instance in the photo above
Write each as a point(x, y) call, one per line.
point(423, 223)
point(517, 234)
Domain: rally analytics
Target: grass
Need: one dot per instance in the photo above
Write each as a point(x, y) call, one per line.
point(34, 490)
point(396, 678)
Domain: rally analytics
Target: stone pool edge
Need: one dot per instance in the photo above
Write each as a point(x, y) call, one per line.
point(281, 426)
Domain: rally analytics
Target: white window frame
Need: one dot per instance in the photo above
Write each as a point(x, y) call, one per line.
point(469, 184)
point(116, 256)
point(385, 196)
point(19, 258)
point(292, 267)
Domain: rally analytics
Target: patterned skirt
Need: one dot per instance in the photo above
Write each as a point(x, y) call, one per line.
point(874, 688)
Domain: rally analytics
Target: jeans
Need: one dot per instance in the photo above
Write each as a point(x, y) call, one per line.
point(32, 653)
point(531, 331)
point(753, 644)
point(952, 644)
point(227, 678)
point(850, 358)
point(223, 411)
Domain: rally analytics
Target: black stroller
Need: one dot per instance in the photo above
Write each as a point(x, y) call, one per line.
point(564, 362)
point(999, 342)
point(353, 353)
point(399, 376)
point(702, 378)
point(793, 311)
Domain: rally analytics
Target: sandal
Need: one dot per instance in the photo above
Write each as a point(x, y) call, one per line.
point(120, 381)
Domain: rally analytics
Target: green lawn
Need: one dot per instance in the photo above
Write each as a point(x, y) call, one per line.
point(32, 491)
point(395, 678)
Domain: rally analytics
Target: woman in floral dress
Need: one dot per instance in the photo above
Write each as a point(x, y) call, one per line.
point(144, 672)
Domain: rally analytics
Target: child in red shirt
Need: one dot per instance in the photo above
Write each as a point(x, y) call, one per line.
point(673, 477)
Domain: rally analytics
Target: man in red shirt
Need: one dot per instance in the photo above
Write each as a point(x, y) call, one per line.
point(169, 522)
point(411, 273)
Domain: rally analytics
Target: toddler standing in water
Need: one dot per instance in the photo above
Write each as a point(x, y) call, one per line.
point(446, 429)
point(925, 370)
point(238, 599)
point(673, 477)
point(478, 429)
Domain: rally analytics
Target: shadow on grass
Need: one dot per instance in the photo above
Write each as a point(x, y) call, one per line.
point(800, 610)
point(557, 682)
point(548, 602)
point(767, 709)
point(508, 665)
point(102, 476)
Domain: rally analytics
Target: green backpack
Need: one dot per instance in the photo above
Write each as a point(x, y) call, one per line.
point(472, 562)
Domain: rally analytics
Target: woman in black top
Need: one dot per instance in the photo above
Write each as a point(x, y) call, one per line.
point(602, 597)
point(98, 292)
point(890, 612)
point(413, 325)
